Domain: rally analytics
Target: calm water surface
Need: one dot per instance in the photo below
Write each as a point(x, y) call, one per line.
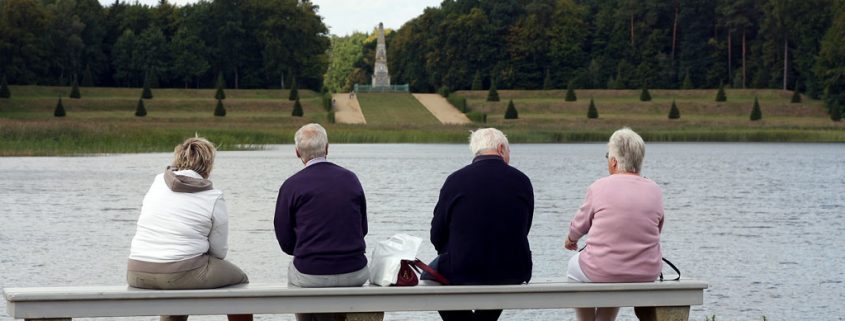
point(764, 224)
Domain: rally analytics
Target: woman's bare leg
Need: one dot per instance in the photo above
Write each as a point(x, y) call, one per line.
point(606, 314)
point(585, 314)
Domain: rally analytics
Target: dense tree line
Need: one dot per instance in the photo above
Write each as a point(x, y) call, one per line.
point(623, 44)
point(254, 43)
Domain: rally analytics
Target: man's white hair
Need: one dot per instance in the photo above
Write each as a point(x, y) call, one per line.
point(486, 139)
point(629, 150)
point(311, 141)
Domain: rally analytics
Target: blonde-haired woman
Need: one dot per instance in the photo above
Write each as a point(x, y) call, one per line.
point(182, 235)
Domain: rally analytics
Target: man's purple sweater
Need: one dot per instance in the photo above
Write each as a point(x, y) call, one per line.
point(321, 219)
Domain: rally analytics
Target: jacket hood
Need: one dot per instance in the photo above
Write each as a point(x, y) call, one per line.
point(185, 184)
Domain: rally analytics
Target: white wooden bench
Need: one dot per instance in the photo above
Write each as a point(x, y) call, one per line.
point(661, 301)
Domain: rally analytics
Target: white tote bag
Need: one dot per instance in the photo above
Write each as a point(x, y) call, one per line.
point(387, 256)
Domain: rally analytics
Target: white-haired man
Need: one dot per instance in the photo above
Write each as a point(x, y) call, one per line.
point(321, 219)
point(481, 222)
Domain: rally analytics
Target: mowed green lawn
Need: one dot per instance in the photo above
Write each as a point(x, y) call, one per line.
point(395, 109)
point(103, 120)
point(698, 109)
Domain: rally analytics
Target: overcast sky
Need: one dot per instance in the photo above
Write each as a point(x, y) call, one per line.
point(345, 16)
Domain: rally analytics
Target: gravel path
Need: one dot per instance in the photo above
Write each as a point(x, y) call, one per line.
point(347, 109)
point(442, 109)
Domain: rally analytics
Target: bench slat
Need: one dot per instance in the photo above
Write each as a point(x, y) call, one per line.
point(119, 301)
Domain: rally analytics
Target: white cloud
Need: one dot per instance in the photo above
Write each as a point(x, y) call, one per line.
point(346, 16)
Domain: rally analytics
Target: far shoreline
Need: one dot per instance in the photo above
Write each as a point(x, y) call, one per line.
point(103, 121)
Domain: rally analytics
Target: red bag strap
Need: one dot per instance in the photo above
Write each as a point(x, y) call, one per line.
point(436, 275)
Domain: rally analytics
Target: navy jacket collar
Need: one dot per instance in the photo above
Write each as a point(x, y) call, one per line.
point(486, 157)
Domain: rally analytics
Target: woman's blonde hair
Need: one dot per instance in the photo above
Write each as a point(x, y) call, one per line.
point(196, 154)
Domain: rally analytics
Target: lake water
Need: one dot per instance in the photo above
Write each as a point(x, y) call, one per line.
point(764, 224)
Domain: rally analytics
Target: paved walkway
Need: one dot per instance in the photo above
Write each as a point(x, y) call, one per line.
point(347, 110)
point(442, 109)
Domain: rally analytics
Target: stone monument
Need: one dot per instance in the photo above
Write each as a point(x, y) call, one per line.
point(381, 78)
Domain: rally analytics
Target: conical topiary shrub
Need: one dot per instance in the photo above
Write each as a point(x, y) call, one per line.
point(147, 93)
point(297, 109)
point(140, 110)
point(74, 90)
point(687, 83)
point(60, 109)
point(476, 81)
point(220, 111)
point(4, 89)
point(570, 92)
point(645, 95)
point(836, 113)
point(796, 95)
point(756, 113)
point(720, 95)
point(511, 112)
point(674, 113)
point(592, 112)
point(221, 83)
point(294, 90)
point(493, 94)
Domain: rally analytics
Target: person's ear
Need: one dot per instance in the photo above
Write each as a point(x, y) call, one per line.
point(297, 153)
point(327, 149)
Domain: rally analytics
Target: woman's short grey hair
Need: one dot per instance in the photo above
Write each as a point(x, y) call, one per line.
point(311, 141)
point(486, 139)
point(196, 154)
point(628, 148)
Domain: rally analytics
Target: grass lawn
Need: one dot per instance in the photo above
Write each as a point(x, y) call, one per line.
point(103, 120)
point(395, 108)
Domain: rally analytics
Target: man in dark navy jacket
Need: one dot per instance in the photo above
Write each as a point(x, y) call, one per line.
point(481, 222)
point(321, 219)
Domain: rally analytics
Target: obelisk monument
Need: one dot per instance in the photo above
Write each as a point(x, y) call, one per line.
point(380, 76)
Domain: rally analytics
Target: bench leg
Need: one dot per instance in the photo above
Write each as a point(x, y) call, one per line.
point(679, 313)
point(366, 316)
